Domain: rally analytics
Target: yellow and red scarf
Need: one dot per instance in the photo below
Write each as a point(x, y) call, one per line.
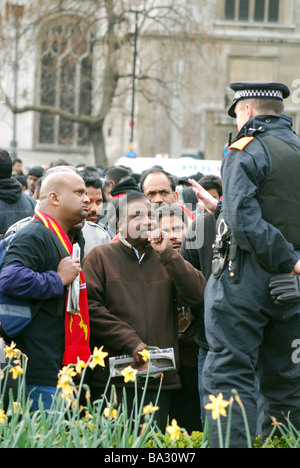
point(77, 327)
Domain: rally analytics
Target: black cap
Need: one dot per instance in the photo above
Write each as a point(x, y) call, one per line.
point(36, 171)
point(257, 90)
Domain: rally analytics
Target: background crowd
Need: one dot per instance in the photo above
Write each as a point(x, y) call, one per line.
point(178, 286)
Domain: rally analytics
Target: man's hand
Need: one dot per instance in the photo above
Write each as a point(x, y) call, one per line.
point(296, 270)
point(204, 197)
point(138, 359)
point(159, 240)
point(68, 269)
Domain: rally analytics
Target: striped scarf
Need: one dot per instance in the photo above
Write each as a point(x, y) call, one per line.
point(77, 327)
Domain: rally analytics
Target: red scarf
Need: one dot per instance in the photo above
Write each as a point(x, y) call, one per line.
point(77, 327)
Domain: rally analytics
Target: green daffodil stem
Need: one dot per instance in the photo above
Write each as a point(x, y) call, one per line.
point(220, 433)
point(240, 403)
point(228, 430)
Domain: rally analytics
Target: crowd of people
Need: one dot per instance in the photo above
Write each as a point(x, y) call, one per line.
point(121, 208)
point(166, 262)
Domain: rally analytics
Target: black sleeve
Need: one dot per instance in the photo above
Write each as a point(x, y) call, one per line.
point(197, 245)
point(32, 248)
point(188, 249)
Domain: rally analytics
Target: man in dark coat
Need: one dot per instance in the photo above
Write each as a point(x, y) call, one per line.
point(14, 205)
point(244, 328)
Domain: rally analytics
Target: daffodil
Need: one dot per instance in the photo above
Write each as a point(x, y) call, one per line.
point(129, 374)
point(3, 416)
point(217, 406)
point(174, 430)
point(67, 391)
point(275, 423)
point(145, 355)
point(88, 417)
point(110, 413)
point(17, 407)
point(149, 409)
point(79, 366)
point(98, 358)
point(12, 352)
point(66, 375)
point(65, 382)
point(16, 371)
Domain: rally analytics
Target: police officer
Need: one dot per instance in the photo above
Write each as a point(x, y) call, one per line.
point(246, 331)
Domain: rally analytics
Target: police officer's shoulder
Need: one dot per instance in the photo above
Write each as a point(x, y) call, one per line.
point(241, 143)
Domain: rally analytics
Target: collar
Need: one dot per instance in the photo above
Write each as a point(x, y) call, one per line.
point(128, 245)
point(263, 123)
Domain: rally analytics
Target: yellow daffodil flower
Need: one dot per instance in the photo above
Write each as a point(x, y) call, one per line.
point(65, 381)
point(110, 413)
point(217, 406)
point(129, 374)
point(12, 352)
point(17, 407)
point(3, 416)
point(98, 358)
point(145, 355)
point(79, 366)
point(66, 374)
point(174, 430)
point(149, 409)
point(67, 391)
point(16, 371)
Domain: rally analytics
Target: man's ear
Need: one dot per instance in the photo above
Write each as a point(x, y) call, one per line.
point(250, 112)
point(53, 198)
point(176, 196)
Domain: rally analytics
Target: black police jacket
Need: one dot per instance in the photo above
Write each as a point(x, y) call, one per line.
point(260, 176)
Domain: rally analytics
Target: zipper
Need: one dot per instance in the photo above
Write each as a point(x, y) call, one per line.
point(144, 299)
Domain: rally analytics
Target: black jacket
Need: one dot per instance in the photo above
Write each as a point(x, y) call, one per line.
point(14, 205)
point(247, 169)
point(197, 250)
point(126, 185)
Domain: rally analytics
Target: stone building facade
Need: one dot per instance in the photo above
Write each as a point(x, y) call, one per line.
point(182, 109)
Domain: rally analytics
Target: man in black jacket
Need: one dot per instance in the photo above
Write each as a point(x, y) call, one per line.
point(14, 205)
point(33, 270)
point(197, 250)
point(244, 328)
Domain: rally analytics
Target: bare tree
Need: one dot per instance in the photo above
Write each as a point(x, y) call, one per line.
point(85, 50)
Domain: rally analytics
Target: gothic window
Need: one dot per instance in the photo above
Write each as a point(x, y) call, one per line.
point(65, 81)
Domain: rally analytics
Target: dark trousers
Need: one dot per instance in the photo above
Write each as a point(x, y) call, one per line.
point(247, 331)
point(185, 403)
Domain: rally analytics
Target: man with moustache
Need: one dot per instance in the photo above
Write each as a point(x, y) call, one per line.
point(160, 187)
point(93, 233)
point(174, 221)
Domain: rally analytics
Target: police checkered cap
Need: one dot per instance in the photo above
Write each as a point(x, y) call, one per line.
point(257, 90)
point(258, 94)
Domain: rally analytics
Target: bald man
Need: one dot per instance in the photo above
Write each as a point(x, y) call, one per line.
point(33, 270)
